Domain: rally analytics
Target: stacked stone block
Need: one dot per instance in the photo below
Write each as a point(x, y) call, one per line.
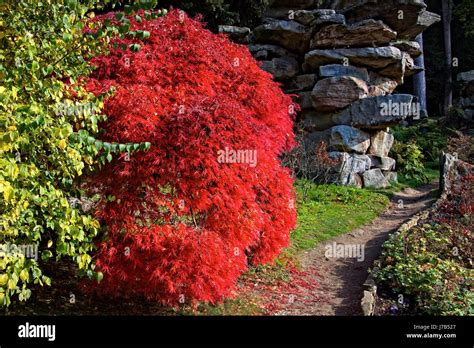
point(343, 64)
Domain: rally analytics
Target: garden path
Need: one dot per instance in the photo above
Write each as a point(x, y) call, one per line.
point(340, 280)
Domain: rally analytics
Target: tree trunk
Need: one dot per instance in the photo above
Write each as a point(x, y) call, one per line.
point(448, 87)
point(419, 80)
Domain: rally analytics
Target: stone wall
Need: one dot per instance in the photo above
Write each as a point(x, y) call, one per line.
point(342, 64)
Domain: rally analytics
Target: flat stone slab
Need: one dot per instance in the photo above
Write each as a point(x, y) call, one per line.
point(466, 76)
point(348, 139)
point(288, 34)
point(371, 57)
point(376, 112)
point(335, 70)
point(368, 32)
point(336, 93)
point(282, 69)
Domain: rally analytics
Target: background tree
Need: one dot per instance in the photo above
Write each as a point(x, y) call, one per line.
point(419, 80)
point(192, 218)
point(448, 87)
point(435, 62)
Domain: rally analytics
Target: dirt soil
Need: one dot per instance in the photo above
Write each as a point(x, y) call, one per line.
point(340, 280)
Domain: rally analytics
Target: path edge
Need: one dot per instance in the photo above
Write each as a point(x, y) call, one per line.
point(369, 294)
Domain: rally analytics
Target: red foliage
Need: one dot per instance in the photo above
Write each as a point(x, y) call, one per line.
point(184, 226)
point(458, 207)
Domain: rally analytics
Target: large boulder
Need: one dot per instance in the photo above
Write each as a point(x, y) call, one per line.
point(317, 18)
point(283, 68)
point(268, 52)
point(316, 121)
point(374, 178)
point(335, 70)
point(350, 162)
point(391, 177)
point(376, 112)
point(380, 85)
point(352, 179)
point(336, 93)
point(380, 143)
point(349, 167)
point(411, 47)
point(288, 34)
point(237, 34)
point(407, 17)
point(348, 139)
point(383, 163)
point(368, 32)
point(300, 83)
point(371, 57)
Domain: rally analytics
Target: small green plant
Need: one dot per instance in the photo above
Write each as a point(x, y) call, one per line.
point(410, 160)
point(430, 137)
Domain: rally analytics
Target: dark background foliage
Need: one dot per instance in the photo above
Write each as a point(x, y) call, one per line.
point(462, 44)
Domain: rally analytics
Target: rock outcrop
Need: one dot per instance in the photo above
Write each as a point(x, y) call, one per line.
point(342, 62)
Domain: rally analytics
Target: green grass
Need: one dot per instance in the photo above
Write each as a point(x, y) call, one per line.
point(329, 211)
point(431, 171)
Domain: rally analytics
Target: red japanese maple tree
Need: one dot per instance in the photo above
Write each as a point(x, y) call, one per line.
point(182, 224)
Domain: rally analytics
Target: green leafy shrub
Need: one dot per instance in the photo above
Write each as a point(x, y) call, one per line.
point(430, 137)
point(47, 127)
point(42, 53)
point(409, 160)
point(426, 265)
